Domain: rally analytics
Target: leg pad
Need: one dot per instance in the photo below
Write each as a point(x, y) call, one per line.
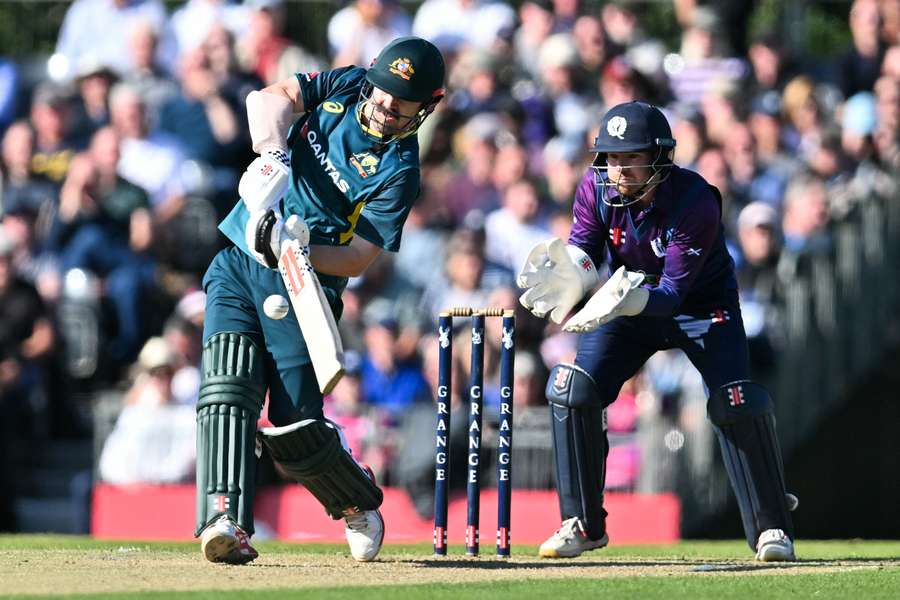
point(580, 444)
point(311, 452)
point(231, 397)
point(742, 415)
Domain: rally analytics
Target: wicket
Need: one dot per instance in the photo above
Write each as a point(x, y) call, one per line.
point(442, 448)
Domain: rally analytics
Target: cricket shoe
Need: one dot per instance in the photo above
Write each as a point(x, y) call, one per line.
point(225, 542)
point(364, 530)
point(570, 540)
point(775, 546)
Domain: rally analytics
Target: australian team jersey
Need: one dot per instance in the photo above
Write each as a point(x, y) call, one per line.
point(343, 183)
point(678, 241)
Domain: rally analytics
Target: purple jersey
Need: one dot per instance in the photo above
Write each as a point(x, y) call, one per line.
point(678, 241)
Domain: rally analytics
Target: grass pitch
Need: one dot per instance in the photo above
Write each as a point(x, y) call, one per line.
point(79, 567)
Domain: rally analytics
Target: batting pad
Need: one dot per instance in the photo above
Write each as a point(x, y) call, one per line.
point(743, 417)
point(580, 446)
point(231, 398)
point(311, 452)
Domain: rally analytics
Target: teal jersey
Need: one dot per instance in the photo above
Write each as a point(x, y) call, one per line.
point(343, 183)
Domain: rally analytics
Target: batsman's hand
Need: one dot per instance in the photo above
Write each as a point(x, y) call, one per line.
point(619, 296)
point(265, 230)
point(265, 181)
point(555, 277)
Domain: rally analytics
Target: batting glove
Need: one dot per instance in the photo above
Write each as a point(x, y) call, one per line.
point(265, 231)
point(265, 181)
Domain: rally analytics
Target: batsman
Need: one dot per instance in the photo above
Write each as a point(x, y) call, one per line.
point(673, 285)
point(336, 176)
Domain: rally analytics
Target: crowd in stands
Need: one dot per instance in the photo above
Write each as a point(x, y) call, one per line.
point(118, 168)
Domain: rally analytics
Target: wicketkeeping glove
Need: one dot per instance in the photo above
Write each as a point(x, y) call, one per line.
point(555, 277)
point(620, 296)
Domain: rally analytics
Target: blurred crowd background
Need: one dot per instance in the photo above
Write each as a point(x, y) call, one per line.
point(124, 134)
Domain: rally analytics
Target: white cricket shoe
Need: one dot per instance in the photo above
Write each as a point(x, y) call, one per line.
point(775, 546)
point(225, 542)
point(365, 534)
point(570, 540)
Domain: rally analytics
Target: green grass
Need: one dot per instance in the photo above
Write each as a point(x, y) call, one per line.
point(715, 569)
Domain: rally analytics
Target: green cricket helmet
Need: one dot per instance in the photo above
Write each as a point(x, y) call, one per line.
point(412, 69)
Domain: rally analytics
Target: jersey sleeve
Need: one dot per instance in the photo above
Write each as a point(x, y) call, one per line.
point(691, 243)
point(317, 87)
point(588, 231)
point(382, 218)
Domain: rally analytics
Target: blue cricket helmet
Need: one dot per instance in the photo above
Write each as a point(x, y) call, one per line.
point(635, 127)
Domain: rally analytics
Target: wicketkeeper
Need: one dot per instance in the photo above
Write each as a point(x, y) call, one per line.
point(672, 286)
point(348, 167)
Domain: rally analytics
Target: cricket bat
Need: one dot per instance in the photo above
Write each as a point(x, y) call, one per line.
point(312, 311)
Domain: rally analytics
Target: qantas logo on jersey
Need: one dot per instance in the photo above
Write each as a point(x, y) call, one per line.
point(320, 151)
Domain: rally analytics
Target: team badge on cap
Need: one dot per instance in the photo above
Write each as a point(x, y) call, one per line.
point(616, 127)
point(402, 67)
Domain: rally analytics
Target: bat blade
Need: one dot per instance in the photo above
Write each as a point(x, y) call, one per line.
point(313, 314)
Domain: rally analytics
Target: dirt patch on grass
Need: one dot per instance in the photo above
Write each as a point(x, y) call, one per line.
point(126, 569)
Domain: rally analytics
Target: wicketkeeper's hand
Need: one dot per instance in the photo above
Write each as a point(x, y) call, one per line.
point(265, 181)
point(619, 296)
point(266, 230)
point(555, 277)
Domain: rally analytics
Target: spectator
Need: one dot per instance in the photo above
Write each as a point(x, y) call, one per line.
point(266, 52)
point(804, 129)
point(452, 24)
point(769, 63)
point(805, 215)
point(151, 159)
point(690, 131)
point(860, 66)
point(358, 32)
point(462, 284)
point(472, 188)
point(703, 64)
point(201, 118)
point(147, 77)
point(563, 164)
point(590, 41)
point(51, 117)
point(751, 181)
point(100, 29)
point(104, 226)
point(91, 108)
point(536, 24)
point(387, 383)
point(558, 66)
point(20, 189)
point(760, 246)
point(191, 23)
point(513, 230)
point(153, 439)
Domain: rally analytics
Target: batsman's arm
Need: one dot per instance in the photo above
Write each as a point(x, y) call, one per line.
point(344, 261)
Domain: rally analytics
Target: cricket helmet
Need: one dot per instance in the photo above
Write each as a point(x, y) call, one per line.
point(634, 127)
point(409, 68)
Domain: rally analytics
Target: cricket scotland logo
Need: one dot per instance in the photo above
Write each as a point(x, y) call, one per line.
point(403, 68)
point(616, 127)
point(365, 163)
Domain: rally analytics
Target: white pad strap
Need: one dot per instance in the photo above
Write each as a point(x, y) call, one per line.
point(269, 117)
